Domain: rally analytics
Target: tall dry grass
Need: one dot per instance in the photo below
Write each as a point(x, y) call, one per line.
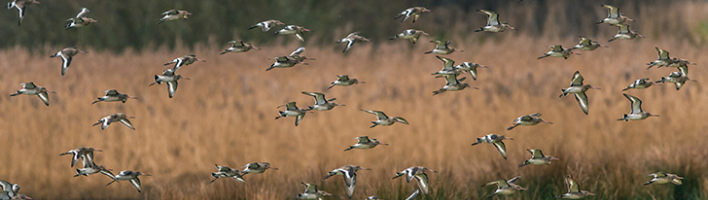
point(224, 115)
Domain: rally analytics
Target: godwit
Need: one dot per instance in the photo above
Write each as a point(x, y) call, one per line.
point(238, 47)
point(574, 191)
point(256, 168)
point(470, 68)
point(293, 111)
point(30, 89)
point(453, 84)
point(9, 188)
point(365, 143)
point(85, 153)
point(92, 169)
point(80, 20)
point(640, 84)
point(266, 25)
point(174, 15)
point(537, 158)
point(351, 39)
point(383, 120)
point(293, 30)
point(21, 6)
point(625, 34)
point(227, 172)
point(614, 17)
point(496, 140)
point(442, 48)
point(344, 80)
point(321, 103)
point(578, 89)
point(558, 51)
point(312, 193)
point(410, 34)
point(4, 195)
point(414, 12)
point(113, 95)
point(184, 61)
point(131, 176)
point(448, 67)
point(493, 24)
point(66, 54)
point(348, 172)
point(289, 61)
point(528, 120)
point(169, 77)
point(677, 78)
point(664, 59)
point(662, 178)
point(118, 117)
point(505, 187)
point(587, 44)
point(419, 174)
point(637, 112)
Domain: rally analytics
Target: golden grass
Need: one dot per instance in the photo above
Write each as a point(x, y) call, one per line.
point(224, 115)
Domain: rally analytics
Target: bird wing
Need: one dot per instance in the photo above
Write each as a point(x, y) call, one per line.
point(28, 85)
point(572, 186)
point(501, 148)
point(577, 79)
point(493, 19)
point(635, 102)
point(342, 78)
point(447, 63)
point(44, 97)
point(127, 123)
point(584, 41)
point(380, 115)
point(297, 51)
point(172, 88)
point(83, 13)
point(612, 12)
point(299, 118)
point(663, 54)
point(111, 92)
point(363, 139)
point(136, 183)
point(422, 179)
point(683, 69)
point(536, 153)
point(319, 97)
point(623, 28)
point(350, 181)
point(557, 48)
point(582, 101)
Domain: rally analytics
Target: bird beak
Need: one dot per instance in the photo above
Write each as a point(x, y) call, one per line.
point(306, 29)
point(547, 121)
point(365, 168)
point(426, 10)
point(383, 143)
point(35, 2)
point(554, 158)
point(131, 117)
point(189, 13)
point(591, 194)
point(424, 33)
point(641, 36)
point(432, 170)
point(201, 60)
point(145, 174)
point(508, 138)
point(269, 167)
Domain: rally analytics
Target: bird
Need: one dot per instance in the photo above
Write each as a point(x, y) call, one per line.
point(365, 143)
point(453, 84)
point(574, 191)
point(637, 112)
point(293, 30)
point(419, 174)
point(505, 187)
point(351, 39)
point(131, 176)
point(256, 168)
point(30, 88)
point(174, 15)
point(293, 111)
point(348, 172)
point(664, 59)
point(312, 193)
point(80, 20)
point(537, 158)
point(640, 84)
point(496, 140)
point(289, 61)
point(113, 95)
point(84, 153)
point(493, 24)
point(625, 34)
point(66, 54)
point(92, 169)
point(9, 188)
point(662, 178)
point(169, 77)
point(470, 68)
point(614, 17)
point(184, 61)
point(321, 103)
point(118, 117)
point(21, 6)
point(528, 120)
point(578, 89)
point(411, 12)
point(344, 80)
point(266, 25)
point(677, 78)
point(238, 46)
point(558, 51)
point(410, 34)
point(448, 67)
point(587, 44)
point(227, 172)
point(383, 120)
point(442, 48)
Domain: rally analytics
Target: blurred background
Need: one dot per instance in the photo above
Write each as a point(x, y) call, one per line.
point(225, 114)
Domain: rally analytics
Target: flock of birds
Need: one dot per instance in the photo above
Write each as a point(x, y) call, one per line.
point(450, 72)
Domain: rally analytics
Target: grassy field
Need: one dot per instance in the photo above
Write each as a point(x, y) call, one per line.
point(225, 115)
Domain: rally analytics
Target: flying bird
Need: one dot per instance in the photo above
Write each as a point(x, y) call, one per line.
point(528, 120)
point(227, 172)
point(238, 46)
point(256, 168)
point(291, 110)
point(578, 89)
point(344, 80)
point(411, 12)
point(574, 191)
point(640, 84)
point(537, 158)
point(470, 68)
point(30, 88)
point(184, 61)
point(174, 15)
point(114, 95)
point(558, 51)
point(663, 178)
point(493, 24)
point(505, 187)
point(131, 176)
point(84, 153)
point(351, 39)
point(348, 172)
point(495, 140)
point(419, 174)
point(625, 34)
point(21, 6)
point(365, 143)
point(442, 48)
point(169, 77)
point(266, 25)
point(293, 30)
point(66, 54)
point(614, 17)
point(383, 120)
point(321, 103)
point(80, 20)
point(587, 44)
point(118, 117)
point(637, 112)
point(410, 34)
